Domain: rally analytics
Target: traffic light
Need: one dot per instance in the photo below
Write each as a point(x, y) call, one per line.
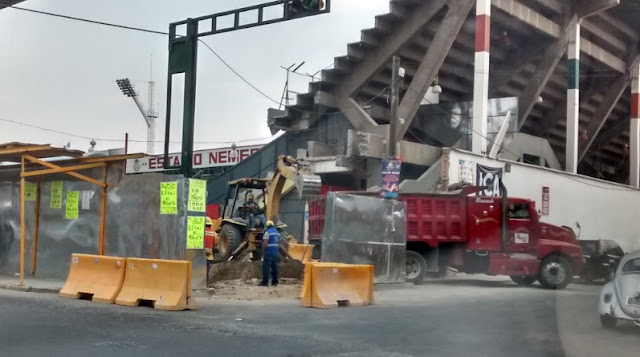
point(301, 8)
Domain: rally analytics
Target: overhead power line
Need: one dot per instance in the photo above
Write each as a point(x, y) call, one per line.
point(122, 140)
point(124, 27)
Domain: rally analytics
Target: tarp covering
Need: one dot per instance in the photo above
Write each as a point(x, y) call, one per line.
point(366, 230)
point(134, 225)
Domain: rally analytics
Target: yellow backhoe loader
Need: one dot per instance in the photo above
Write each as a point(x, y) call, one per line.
point(236, 238)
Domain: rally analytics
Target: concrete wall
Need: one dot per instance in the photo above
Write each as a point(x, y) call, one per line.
point(605, 210)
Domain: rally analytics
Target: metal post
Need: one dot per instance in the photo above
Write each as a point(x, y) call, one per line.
point(189, 113)
point(22, 228)
point(103, 210)
point(183, 53)
point(395, 100)
point(286, 91)
point(34, 253)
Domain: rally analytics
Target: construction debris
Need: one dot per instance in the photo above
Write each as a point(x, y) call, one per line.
point(252, 271)
point(250, 290)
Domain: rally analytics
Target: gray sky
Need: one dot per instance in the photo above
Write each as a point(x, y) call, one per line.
point(60, 74)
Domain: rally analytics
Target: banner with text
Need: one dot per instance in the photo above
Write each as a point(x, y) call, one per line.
point(490, 177)
point(201, 159)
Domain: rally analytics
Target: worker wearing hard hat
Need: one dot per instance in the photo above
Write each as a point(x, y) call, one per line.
point(209, 242)
point(271, 248)
point(253, 211)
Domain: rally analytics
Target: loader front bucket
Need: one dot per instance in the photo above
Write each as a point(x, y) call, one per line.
point(308, 186)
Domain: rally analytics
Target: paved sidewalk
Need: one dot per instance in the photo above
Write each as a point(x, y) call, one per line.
point(31, 284)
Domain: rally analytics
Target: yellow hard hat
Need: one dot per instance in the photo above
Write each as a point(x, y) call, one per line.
point(270, 224)
point(250, 196)
point(208, 221)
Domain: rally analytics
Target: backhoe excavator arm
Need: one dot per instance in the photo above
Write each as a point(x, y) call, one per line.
point(289, 168)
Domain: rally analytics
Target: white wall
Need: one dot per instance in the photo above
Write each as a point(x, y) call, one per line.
point(605, 210)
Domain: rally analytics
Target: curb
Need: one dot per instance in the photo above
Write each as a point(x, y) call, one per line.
point(44, 290)
point(28, 288)
point(17, 287)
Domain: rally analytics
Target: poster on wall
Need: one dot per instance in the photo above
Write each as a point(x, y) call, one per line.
point(490, 177)
point(56, 194)
point(30, 191)
point(168, 198)
point(71, 206)
point(195, 232)
point(545, 201)
point(467, 172)
point(390, 177)
point(197, 195)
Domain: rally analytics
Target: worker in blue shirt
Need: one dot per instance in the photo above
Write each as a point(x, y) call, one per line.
point(271, 248)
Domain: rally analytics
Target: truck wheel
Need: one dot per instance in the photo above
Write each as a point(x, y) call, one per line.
point(608, 321)
point(230, 240)
point(523, 280)
point(555, 272)
point(416, 267)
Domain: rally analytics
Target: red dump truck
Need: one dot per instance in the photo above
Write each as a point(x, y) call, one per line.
point(483, 235)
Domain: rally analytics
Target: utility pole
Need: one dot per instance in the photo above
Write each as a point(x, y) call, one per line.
point(395, 100)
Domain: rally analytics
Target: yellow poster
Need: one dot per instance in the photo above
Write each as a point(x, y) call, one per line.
point(56, 194)
point(71, 208)
point(30, 191)
point(195, 233)
point(168, 198)
point(197, 195)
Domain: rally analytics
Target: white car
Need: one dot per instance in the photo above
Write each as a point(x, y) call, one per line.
point(620, 298)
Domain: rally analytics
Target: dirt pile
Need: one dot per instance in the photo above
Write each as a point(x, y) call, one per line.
point(250, 290)
point(246, 271)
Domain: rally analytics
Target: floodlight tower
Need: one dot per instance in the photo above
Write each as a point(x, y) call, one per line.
point(149, 115)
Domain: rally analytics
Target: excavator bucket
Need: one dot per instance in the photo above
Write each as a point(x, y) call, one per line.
point(308, 185)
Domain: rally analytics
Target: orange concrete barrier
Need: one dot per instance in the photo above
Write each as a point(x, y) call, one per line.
point(301, 252)
point(166, 283)
point(95, 276)
point(328, 285)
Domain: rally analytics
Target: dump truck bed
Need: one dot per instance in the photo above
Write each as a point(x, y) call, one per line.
point(431, 218)
point(436, 218)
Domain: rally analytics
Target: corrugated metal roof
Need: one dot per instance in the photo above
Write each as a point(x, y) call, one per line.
point(12, 152)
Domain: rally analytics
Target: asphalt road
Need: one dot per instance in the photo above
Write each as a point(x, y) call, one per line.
point(455, 317)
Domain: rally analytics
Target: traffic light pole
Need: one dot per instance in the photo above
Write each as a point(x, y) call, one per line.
point(183, 59)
